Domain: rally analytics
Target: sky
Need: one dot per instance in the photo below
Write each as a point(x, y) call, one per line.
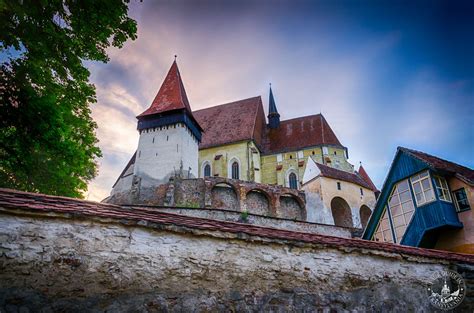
point(383, 73)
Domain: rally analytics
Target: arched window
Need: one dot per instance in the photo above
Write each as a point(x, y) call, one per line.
point(293, 181)
point(207, 170)
point(235, 170)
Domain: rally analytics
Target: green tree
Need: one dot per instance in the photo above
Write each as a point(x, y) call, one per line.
point(47, 135)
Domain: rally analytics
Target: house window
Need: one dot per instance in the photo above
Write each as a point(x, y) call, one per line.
point(338, 186)
point(422, 188)
point(442, 188)
point(235, 170)
point(291, 157)
point(207, 170)
point(279, 157)
point(293, 181)
point(361, 192)
point(401, 208)
point(325, 150)
point(335, 152)
point(300, 155)
point(384, 231)
point(460, 200)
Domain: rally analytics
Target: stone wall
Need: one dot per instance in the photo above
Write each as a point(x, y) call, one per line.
point(220, 193)
point(99, 259)
point(260, 220)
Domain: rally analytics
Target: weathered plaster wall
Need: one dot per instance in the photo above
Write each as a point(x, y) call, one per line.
point(460, 240)
point(162, 150)
point(57, 265)
point(252, 219)
point(321, 191)
point(219, 158)
point(296, 161)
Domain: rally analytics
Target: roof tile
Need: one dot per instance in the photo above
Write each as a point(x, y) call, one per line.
point(439, 164)
point(171, 95)
point(335, 173)
point(299, 133)
point(12, 201)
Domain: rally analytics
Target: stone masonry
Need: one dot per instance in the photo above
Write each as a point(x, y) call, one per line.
point(65, 255)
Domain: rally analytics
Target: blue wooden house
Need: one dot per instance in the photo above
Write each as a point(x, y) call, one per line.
point(425, 202)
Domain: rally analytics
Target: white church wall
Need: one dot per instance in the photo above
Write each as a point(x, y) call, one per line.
point(162, 150)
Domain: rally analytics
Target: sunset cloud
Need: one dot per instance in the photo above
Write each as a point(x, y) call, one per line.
point(379, 82)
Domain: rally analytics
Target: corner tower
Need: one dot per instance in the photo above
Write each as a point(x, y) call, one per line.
point(169, 135)
point(273, 115)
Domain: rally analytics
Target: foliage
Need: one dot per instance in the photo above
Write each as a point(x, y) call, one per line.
point(47, 135)
point(244, 215)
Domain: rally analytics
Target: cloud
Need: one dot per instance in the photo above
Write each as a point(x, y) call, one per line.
point(315, 61)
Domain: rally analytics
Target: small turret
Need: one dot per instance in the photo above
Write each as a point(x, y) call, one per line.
point(273, 115)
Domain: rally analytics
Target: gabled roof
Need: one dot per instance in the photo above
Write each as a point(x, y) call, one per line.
point(363, 174)
point(299, 133)
point(331, 172)
point(130, 163)
point(232, 122)
point(464, 173)
point(406, 163)
point(171, 95)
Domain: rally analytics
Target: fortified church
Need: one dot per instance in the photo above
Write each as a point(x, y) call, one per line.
point(292, 169)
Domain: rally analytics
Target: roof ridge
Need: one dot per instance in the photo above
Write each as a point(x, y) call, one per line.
point(301, 117)
point(412, 151)
point(228, 103)
point(255, 118)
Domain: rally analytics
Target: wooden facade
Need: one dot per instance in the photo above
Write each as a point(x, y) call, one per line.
point(429, 219)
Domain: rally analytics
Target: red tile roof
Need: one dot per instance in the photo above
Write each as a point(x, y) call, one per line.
point(335, 173)
point(171, 95)
point(12, 201)
point(231, 122)
point(439, 164)
point(363, 174)
point(299, 133)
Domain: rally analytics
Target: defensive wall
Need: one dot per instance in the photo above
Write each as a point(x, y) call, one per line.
point(220, 193)
point(66, 255)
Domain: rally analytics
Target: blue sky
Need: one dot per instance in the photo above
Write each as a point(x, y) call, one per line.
point(383, 73)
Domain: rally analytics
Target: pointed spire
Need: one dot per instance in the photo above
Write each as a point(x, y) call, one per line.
point(171, 95)
point(366, 177)
point(273, 115)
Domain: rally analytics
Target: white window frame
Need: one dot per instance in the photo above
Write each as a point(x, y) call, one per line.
point(418, 181)
point(396, 192)
point(203, 165)
point(325, 151)
point(292, 170)
point(229, 168)
point(442, 189)
point(380, 230)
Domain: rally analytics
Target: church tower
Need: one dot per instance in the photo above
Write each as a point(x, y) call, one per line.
point(169, 135)
point(273, 115)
